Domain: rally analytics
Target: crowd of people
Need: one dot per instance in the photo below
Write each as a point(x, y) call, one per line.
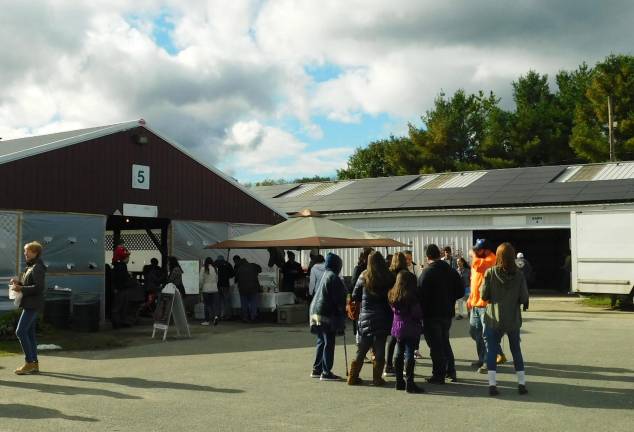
point(394, 303)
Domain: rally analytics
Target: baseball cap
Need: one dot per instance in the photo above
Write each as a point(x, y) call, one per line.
point(480, 244)
point(520, 255)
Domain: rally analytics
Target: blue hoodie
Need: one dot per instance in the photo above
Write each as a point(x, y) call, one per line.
point(327, 310)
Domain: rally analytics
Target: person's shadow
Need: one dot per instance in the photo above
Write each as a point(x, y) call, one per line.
point(140, 383)
point(21, 411)
point(65, 390)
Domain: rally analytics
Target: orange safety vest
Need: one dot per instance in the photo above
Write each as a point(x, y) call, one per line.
point(478, 267)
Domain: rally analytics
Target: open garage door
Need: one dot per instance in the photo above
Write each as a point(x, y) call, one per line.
point(545, 249)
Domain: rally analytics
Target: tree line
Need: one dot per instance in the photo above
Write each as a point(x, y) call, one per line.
point(464, 132)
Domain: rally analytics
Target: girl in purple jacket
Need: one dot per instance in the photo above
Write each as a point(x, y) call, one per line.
point(406, 329)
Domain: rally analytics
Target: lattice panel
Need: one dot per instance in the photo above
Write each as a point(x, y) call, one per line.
point(8, 243)
point(133, 241)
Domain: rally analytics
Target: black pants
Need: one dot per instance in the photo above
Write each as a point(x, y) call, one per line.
point(119, 310)
point(391, 344)
point(437, 338)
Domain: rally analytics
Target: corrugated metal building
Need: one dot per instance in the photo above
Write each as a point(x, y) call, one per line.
point(528, 206)
point(68, 189)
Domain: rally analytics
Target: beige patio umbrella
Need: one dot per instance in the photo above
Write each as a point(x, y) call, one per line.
point(307, 230)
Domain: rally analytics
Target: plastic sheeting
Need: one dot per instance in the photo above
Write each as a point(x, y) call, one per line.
point(72, 243)
point(8, 244)
point(190, 239)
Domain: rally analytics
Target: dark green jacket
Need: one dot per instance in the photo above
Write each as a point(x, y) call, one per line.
point(505, 292)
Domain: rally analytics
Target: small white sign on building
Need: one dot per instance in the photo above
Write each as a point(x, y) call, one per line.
point(140, 210)
point(140, 177)
point(535, 220)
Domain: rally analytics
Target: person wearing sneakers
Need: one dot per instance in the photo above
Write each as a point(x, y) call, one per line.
point(31, 286)
point(209, 289)
point(439, 286)
point(406, 328)
point(504, 288)
point(375, 318)
point(328, 317)
point(482, 259)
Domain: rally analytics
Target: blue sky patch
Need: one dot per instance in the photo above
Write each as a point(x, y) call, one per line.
point(325, 72)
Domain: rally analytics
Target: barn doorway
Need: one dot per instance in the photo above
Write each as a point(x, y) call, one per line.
point(145, 238)
point(545, 249)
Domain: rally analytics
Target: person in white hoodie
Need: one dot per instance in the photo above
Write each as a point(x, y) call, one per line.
point(209, 290)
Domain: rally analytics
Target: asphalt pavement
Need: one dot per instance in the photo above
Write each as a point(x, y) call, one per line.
point(236, 377)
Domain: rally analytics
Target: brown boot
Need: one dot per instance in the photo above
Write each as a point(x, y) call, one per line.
point(377, 373)
point(353, 376)
point(28, 368)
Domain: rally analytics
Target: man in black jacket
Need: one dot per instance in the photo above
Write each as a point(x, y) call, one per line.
point(439, 287)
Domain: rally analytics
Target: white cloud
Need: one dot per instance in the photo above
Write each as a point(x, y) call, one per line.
point(271, 152)
point(241, 65)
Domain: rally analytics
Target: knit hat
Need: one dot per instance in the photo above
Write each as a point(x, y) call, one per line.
point(120, 254)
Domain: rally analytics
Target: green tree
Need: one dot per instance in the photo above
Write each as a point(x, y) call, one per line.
point(614, 78)
point(386, 157)
point(539, 133)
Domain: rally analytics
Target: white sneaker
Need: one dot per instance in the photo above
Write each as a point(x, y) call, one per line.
point(205, 323)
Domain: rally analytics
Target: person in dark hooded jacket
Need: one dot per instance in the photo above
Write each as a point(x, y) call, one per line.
point(327, 317)
point(375, 318)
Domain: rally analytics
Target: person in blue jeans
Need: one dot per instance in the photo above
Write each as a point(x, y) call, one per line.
point(31, 286)
point(327, 318)
point(504, 288)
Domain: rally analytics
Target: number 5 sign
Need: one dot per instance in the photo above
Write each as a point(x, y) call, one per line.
point(140, 177)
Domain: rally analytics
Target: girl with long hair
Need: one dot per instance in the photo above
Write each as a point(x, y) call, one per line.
point(375, 318)
point(406, 328)
point(209, 289)
point(398, 263)
point(504, 287)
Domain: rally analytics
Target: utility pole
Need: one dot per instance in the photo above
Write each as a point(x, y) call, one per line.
point(610, 132)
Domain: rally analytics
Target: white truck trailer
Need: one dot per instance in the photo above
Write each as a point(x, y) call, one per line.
point(602, 253)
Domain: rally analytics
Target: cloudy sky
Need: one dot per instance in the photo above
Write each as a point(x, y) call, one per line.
point(280, 88)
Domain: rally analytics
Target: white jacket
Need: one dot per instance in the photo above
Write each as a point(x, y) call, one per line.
point(208, 281)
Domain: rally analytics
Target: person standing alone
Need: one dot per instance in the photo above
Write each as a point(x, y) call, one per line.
point(31, 286)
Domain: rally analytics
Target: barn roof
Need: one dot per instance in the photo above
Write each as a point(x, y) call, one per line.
point(515, 187)
point(23, 148)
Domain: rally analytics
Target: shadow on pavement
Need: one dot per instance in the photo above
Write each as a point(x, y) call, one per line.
point(565, 371)
point(21, 411)
point(570, 395)
point(140, 383)
point(65, 390)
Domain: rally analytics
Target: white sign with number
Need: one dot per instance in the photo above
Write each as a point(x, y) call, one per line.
point(140, 177)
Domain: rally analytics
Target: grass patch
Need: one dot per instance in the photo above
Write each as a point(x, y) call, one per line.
point(599, 300)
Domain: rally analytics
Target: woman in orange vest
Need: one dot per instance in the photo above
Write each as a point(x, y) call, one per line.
point(482, 258)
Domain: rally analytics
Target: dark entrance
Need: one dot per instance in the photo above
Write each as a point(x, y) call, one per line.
point(545, 249)
point(118, 224)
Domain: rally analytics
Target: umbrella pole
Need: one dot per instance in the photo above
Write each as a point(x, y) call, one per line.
point(228, 253)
